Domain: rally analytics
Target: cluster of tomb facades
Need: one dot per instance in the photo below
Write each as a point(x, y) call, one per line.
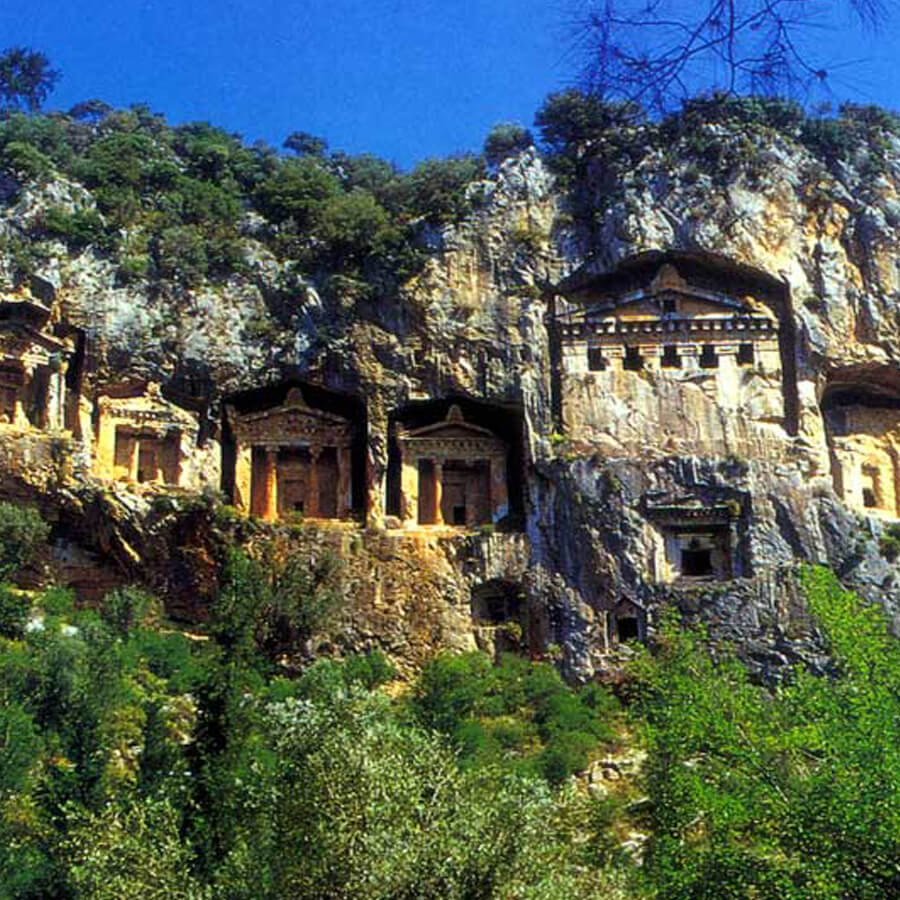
point(668, 354)
point(287, 449)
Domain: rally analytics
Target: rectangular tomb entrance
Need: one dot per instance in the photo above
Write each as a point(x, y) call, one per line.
point(698, 542)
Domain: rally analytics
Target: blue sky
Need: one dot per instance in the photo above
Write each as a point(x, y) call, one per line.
point(404, 79)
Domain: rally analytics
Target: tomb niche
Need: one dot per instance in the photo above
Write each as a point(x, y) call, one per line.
point(453, 472)
point(626, 622)
point(292, 458)
point(674, 317)
point(500, 617)
point(33, 363)
point(141, 437)
point(862, 426)
point(699, 542)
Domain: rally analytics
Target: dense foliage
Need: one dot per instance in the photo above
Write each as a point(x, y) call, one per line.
point(179, 202)
point(137, 761)
point(140, 762)
point(793, 795)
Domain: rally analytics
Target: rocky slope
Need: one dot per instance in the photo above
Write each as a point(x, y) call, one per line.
point(474, 323)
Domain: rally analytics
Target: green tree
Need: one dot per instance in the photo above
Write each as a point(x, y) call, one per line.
point(132, 851)
point(794, 794)
point(26, 78)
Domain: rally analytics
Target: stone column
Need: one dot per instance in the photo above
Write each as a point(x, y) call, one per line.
point(438, 491)
point(243, 474)
point(134, 459)
point(311, 507)
point(499, 494)
point(270, 510)
point(409, 488)
point(344, 482)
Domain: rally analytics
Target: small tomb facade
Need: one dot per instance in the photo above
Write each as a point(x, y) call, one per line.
point(453, 472)
point(292, 459)
point(698, 542)
point(33, 364)
point(645, 339)
point(626, 622)
point(863, 432)
point(142, 438)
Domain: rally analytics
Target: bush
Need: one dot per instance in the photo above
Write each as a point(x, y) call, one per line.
point(14, 610)
point(181, 254)
point(124, 609)
point(505, 140)
point(22, 532)
point(25, 162)
point(78, 229)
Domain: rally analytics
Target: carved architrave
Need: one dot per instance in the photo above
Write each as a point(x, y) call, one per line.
point(716, 316)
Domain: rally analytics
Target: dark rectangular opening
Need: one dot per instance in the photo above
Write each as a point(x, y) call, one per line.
point(708, 358)
point(633, 361)
point(459, 515)
point(627, 629)
point(745, 355)
point(696, 563)
point(869, 500)
point(670, 357)
point(669, 305)
point(596, 362)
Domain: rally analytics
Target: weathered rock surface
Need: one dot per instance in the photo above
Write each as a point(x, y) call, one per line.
point(474, 324)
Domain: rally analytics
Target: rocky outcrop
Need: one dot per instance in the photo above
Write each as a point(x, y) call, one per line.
point(475, 324)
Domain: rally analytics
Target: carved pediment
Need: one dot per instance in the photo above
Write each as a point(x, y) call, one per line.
point(669, 298)
point(293, 422)
point(454, 436)
point(149, 411)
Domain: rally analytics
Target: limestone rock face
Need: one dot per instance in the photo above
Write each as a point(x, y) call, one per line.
point(692, 488)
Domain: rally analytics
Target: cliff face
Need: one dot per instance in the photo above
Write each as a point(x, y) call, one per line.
point(778, 463)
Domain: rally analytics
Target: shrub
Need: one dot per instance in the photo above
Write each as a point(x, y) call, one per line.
point(124, 609)
point(79, 228)
point(14, 610)
point(26, 162)
point(505, 140)
point(22, 532)
point(181, 254)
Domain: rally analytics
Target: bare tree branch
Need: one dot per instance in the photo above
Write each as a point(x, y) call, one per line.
point(656, 52)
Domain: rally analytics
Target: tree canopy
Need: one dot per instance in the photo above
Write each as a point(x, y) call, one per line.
point(26, 78)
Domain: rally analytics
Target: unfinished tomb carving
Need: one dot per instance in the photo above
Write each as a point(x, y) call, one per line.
point(292, 458)
point(862, 423)
point(33, 364)
point(143, 438)
point(675, 354)
point(453, 472)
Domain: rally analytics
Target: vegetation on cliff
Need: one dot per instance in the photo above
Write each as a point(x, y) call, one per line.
point(137, 761)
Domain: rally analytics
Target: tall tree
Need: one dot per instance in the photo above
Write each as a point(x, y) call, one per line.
point(26, 78)
point(658, 52)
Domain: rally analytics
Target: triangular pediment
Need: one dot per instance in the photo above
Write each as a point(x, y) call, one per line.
point(668, 295)
point(452, 427)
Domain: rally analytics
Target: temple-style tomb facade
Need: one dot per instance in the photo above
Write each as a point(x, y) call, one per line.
point(672, 354)
point(292, 458)
point(33, 363)
point(142, 438)
point(452, 473)
point(698, 541)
